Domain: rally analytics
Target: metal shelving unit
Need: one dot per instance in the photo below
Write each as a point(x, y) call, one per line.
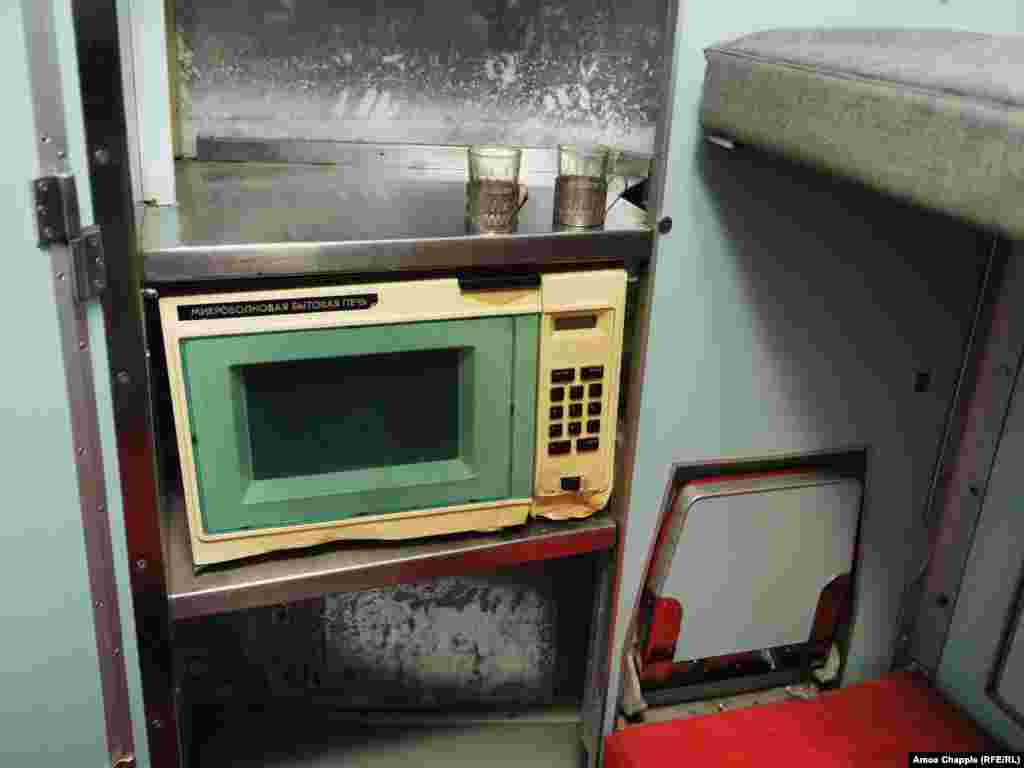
point(316, 211)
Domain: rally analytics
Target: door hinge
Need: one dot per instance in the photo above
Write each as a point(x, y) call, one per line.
point(59, 223)
point(90, 266)
point(57, 216)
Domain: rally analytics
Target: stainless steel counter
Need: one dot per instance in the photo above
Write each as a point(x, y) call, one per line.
point(243, 220)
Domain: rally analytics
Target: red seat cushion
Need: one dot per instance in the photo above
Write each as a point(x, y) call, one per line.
point(870, 724)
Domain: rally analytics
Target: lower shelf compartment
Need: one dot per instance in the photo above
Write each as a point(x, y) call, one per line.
point(545, 738)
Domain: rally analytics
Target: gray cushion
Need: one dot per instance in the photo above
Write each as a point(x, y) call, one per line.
point(933, 116)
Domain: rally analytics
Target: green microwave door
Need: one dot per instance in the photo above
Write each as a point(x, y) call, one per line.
point(322, 425)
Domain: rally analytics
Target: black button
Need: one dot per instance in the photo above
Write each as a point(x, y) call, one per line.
point(587, 444)
point(563, 375)
point(555, 430)
point(571, 483)
point(595, 390)
point(576, 393)
point(561, 446)
point(557, 412)
point(575, 410)
point(594, 409)
point(575, 427)
point(557, 394)
point(594, 425)
point(592, 372)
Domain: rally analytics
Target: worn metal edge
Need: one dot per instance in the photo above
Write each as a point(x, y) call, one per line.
point(961, 500)
point(1010, 632)
point(224, 262)
point(100, 69)
point(189, 598)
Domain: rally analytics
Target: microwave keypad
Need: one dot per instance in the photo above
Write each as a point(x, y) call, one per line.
point(591, 393)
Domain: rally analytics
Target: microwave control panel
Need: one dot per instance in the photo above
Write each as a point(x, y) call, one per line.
point(581, 350)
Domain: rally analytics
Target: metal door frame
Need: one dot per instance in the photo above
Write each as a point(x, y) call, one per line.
point(103, 103)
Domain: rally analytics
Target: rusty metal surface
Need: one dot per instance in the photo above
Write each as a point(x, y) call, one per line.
point(291, 577)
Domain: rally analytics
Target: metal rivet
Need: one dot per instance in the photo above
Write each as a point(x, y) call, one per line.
point(101, 155)
point(99, 603)
point(42, 186)
point(82, 345)
point(974, 490)
point(62, 154)
point(81, 451)
point(60, 275)
point(45, 139)
point(48, 232)
point(123, 377)
point(140, 564)
point(116, 651)
point(665, 225)
point(156, 724)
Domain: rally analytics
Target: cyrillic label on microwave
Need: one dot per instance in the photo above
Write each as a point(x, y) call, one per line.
point(235, 309)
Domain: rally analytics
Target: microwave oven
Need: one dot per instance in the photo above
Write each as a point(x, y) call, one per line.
point(393, 410)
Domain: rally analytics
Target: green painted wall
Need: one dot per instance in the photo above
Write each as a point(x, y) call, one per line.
point(51, 711)
point(789, 312)
point(50, 706)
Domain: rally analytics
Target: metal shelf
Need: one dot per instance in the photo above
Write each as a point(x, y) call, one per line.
point(243, 220)
point(303, 575)
point(306, 740)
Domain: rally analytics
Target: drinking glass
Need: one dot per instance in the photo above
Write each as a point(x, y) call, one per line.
point(493, 194)
point(581, 190)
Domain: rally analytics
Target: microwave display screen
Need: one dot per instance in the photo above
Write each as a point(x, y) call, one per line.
point(311, 417)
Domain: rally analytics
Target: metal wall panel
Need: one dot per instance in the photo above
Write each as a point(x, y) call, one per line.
point(982, 613)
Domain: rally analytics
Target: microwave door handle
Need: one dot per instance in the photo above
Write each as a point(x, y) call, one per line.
point(469, 283)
